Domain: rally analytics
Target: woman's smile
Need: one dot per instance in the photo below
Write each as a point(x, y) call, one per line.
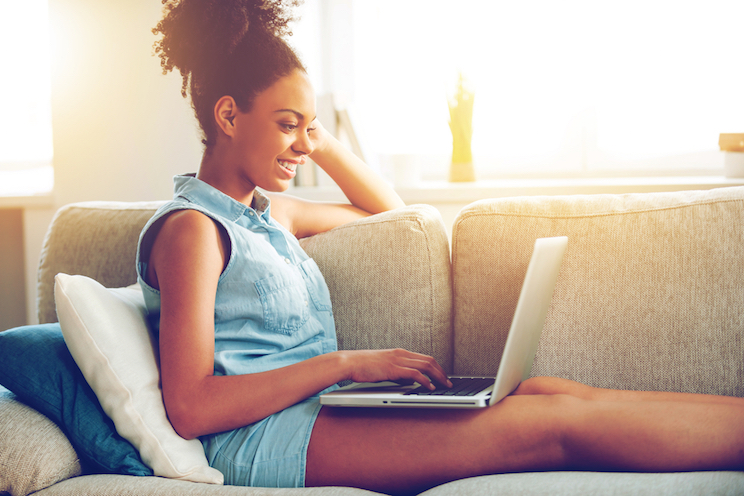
point(291, 165)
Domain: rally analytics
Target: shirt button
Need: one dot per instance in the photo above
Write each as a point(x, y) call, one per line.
point(306, 304)
point(250, 213)
point(287, 260)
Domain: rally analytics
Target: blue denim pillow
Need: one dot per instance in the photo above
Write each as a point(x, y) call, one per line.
point(36, 365)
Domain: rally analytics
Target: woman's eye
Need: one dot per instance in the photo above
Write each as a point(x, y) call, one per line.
point(310, 129)
point(289, 127)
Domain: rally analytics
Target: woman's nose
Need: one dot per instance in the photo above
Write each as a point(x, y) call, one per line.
point(303, 145)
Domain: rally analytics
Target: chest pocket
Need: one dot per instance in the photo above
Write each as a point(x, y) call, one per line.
point(285, 301)
point(316, 285)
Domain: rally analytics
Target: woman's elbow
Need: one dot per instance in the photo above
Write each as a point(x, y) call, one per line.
point(184, 418)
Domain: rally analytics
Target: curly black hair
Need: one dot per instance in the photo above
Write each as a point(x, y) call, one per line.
point(225, 47)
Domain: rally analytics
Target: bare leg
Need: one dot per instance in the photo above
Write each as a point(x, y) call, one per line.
point(402, 451)
point(555, 385)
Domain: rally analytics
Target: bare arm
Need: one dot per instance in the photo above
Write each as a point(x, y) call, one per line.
point(362, 186)
point(186, 261)
point(367, 192)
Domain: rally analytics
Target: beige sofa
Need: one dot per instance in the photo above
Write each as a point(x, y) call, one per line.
point(650, 296)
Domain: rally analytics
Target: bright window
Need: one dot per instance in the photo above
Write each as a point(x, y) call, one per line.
point(577, 87)
point(25, 99)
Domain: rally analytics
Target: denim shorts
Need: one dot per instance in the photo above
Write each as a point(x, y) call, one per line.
point(269, 453)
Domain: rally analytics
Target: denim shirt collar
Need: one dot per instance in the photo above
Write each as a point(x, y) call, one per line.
point(197, 191)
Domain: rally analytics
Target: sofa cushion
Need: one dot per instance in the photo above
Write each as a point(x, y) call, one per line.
point(34, 452)
point(107, 334)
point(594, 483)
point(36, 365)
point(121, 485)
point(650, 295)
point(390, 281)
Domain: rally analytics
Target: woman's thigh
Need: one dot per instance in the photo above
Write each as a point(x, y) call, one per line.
point(409, 450)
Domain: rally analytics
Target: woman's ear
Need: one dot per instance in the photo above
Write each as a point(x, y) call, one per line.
point(225, 111)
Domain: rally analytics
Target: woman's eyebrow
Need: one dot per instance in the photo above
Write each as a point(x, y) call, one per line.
point(299, 115)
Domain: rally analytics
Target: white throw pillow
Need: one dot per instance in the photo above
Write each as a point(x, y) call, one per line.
point(107, 334)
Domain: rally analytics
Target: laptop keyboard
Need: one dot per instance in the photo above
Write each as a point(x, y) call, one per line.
point(461, 386)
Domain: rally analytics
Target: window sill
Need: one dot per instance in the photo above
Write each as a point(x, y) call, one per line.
point(27, 188)
point(443, 192)
point(31, 201)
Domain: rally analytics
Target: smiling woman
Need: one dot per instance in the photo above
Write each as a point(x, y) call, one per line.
point(25, 99)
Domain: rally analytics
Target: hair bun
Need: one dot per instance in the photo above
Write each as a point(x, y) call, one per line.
point(198, 34)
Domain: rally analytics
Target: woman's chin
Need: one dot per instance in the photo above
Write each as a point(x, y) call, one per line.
point(277, 187)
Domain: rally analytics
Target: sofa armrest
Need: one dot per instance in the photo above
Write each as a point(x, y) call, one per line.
point(650, 295)
point(390, 281)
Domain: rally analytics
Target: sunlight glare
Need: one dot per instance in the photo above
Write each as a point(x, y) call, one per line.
point(25, 88)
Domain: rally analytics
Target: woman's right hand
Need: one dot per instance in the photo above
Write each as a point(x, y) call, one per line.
point(394, 365)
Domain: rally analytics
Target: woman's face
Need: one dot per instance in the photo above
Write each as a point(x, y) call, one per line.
point(273, 137)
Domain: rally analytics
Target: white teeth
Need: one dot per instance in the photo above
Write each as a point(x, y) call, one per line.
point(290, 166)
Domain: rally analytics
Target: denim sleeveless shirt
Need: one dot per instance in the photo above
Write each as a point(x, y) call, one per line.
point(272, 309)
point(272, 306)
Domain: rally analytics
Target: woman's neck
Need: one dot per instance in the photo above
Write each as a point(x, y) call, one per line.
point(215, 172)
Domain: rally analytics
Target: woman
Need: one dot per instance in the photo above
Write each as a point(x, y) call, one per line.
point(241, 311)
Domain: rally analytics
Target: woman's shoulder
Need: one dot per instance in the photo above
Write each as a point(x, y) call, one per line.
point(184, 233)
point(189, 227)
point(183, 241)
point(177, 216)
point(187, 220)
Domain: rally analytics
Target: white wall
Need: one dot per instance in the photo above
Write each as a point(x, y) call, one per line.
point(121, 128)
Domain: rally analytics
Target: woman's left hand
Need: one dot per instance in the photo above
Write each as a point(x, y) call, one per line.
point(319, 136)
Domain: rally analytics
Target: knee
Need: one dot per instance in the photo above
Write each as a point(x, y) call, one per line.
point(542, 385)
point(570, 421)
point(560, 419)
point(554, 385)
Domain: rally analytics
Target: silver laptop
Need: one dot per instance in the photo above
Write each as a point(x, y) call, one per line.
point(516, 361)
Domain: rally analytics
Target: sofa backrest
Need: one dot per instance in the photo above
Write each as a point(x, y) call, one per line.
point(650, 295)
point(94, 239)
point(389, 275)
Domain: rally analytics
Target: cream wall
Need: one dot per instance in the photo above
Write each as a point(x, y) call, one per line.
point(121, 128)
